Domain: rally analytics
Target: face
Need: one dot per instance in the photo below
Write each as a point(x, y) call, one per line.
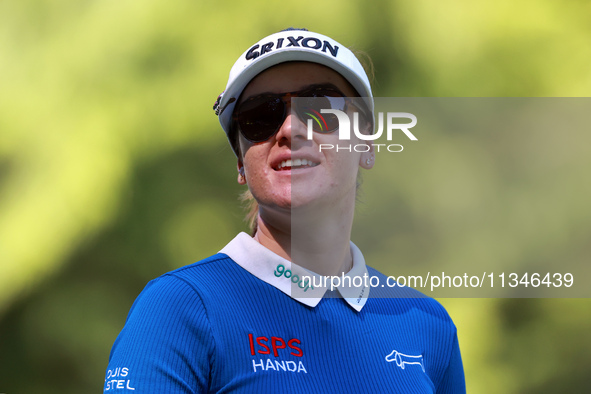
point(328, 179)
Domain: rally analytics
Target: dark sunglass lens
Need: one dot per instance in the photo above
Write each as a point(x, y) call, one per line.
point(261, 118)
point(338, 103)
point(311, 108)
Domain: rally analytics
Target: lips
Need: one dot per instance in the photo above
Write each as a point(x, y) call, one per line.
point(291, 164)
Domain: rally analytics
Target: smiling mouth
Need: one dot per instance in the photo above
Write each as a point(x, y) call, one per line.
point(295, 164)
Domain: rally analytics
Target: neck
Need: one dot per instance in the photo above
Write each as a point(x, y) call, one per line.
point(316, 239)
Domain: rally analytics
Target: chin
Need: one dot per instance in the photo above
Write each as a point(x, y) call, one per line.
point(279, 199)
point(303, 201)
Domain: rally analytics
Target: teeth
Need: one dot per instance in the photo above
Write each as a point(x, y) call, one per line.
point(297, 163)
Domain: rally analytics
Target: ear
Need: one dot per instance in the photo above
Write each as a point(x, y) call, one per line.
point(367, 159)
point(241, 175)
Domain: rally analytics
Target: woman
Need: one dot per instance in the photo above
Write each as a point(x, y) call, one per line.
point(253, 318)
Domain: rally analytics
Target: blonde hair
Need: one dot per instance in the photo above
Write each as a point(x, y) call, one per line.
point(251, 206)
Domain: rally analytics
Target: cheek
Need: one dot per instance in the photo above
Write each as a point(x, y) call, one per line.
point(252, 155)
point(258, 173)
point(343, 168)
point(349, 164)
point(250, 161)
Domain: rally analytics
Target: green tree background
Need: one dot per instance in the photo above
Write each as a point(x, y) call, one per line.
point(114, 170)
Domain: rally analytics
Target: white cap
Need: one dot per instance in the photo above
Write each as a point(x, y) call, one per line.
point(288, 46)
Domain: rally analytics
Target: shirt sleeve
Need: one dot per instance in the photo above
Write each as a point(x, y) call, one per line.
point(453, 381)
point(166, 344)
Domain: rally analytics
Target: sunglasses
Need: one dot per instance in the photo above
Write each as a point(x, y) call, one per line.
point(259, 117)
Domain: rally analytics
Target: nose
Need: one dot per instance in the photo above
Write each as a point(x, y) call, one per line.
point(293, 131)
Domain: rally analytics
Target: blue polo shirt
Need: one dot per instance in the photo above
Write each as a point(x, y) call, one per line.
point(245, 321)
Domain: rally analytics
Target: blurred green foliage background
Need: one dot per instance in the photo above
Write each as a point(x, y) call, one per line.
point(114, 170)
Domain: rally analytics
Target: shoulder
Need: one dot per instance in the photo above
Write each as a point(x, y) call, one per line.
point(205, 267)
point(427, 326)
point(167, 329)
point(215, 269)
point(407, 300)
point(212, 285)
point(186, 278)
point(181, 290)
point(170, 305)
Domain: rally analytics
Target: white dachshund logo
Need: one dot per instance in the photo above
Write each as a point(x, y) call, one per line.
point(403, 359)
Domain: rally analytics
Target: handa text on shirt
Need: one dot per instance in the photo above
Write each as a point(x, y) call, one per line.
point(278, 366)
point(301, 41)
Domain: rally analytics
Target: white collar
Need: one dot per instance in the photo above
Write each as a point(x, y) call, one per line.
point(280, 273)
